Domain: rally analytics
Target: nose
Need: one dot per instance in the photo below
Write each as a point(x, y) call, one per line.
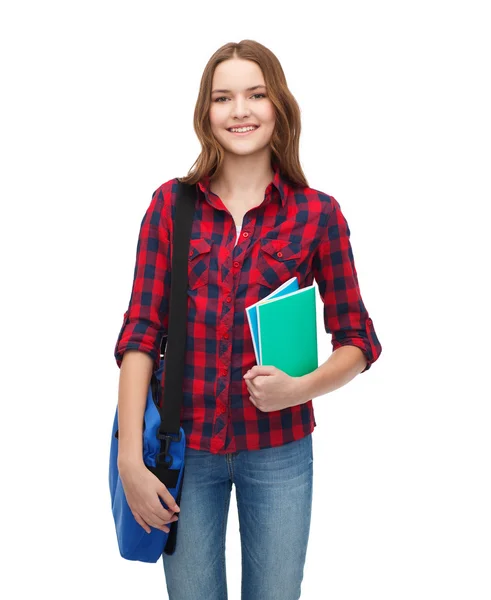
point(241, 109)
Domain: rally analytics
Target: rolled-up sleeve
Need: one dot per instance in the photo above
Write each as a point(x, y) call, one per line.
point(146, 320)
point(345, 315)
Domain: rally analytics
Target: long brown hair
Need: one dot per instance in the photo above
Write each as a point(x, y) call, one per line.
point(286, 135)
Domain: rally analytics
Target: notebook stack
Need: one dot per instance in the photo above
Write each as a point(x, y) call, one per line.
point(284, 329)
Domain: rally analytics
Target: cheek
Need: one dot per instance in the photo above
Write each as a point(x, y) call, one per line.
point(268, 112)
point(216, 117)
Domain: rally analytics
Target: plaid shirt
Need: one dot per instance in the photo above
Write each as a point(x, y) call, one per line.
point(295, 231)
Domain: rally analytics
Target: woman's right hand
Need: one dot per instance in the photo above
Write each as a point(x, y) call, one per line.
point(143, 491)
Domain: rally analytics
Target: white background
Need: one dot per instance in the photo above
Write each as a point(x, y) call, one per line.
point(97, 104)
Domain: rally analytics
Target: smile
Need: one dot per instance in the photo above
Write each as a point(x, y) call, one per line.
point(240, 133)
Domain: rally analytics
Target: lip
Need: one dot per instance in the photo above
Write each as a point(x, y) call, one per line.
point(245, 132)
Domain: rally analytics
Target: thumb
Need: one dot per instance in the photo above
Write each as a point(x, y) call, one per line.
point(260, 370)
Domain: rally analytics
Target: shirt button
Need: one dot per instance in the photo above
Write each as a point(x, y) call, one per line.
point(224, 372)
point(225, 336)
point(245, 234)
point(236, 264)
point(279, 254)
point(190, 253)
point(229, 299)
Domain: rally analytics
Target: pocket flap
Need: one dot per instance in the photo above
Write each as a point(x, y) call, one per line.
point(199, 246)
point(281, 249)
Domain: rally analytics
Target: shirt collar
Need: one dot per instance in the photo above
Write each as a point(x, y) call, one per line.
point(278, 183)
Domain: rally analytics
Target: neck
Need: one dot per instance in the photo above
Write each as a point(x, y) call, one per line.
point(242, 176)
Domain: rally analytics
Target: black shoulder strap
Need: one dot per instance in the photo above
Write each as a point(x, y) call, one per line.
point(173, 375)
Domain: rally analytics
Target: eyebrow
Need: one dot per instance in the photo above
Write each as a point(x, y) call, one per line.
point(255, 87)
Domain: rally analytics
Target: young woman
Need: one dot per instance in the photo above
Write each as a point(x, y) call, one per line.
point(257, 224)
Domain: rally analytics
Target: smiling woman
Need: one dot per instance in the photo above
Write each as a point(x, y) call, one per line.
point(257, 223)
point(244, 84)
point(243, 120)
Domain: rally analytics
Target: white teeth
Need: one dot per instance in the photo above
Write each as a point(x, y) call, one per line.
point(243, 129)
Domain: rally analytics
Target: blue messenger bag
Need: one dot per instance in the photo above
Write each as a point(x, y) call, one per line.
point(164, 442)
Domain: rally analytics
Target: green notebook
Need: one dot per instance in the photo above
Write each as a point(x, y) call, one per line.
point(287, 332)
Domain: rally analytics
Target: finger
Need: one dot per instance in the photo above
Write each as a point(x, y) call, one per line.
point(257, 404)
point(157, 517)
point(141, 522)
point(168, 498)
point(155, 521)
point(254, 391)
point(158, 523)
point(262, 370)
point(164, 528)
point(159, 511)
point(161, 527)
point(251, 385)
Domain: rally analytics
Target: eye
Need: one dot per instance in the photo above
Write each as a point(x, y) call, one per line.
point(224, 97)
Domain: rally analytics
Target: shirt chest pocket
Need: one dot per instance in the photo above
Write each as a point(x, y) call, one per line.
point(277, 261)
point(198, 262)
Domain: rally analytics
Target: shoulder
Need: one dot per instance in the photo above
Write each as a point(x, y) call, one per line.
point(166, 191)
point(315, 200)
point(163, 199)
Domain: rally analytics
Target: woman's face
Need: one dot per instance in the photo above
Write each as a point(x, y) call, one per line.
point(241, 106)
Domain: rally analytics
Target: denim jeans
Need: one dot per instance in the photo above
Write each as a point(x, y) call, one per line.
point(274, 501)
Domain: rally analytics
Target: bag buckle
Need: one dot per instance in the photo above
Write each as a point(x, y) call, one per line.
point(167, 459)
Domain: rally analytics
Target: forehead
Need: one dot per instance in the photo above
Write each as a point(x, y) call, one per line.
point(237, 74)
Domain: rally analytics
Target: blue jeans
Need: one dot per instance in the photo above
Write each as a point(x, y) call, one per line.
point(274, 501)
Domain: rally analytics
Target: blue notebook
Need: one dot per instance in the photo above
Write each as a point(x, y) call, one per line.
point(251, 311)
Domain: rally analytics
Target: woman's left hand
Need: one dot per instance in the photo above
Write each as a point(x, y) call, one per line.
point(272, 389)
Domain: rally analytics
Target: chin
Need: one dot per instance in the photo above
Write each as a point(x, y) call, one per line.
point(243, 151)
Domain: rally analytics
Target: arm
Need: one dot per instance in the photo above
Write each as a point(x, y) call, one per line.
point(143, 490)
point(137, 353)
point(341, 367)
point(137, 350)
point(355, 343)
point(134, 378)
point(278, 390)
point(146, 320)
